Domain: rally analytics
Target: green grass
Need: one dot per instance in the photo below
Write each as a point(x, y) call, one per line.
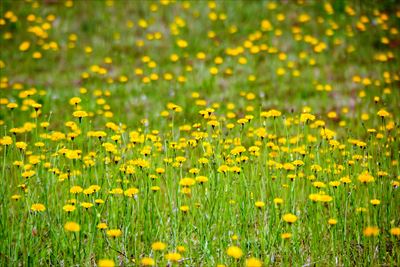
point(335, 62)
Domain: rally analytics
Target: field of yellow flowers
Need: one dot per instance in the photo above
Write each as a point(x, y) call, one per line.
point(199, 133)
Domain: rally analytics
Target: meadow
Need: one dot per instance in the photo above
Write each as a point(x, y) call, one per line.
point(199, 133)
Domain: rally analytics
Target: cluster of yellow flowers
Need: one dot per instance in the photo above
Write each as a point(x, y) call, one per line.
point(234, 138)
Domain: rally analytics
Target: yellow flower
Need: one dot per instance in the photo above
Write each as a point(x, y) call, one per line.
point(271, 113)
point(15, 197)
point(160, 170)
point(69, 208)
point(116, 191)
point(184, 208)
point(332, 221)
point(6, 141)
point(180, 159)
point(38, 207)
point(234, 252)
point(286, 235)
point(80, 114)
point(201, 179)
point(75, 101)
point(260, 204)
point(325, 198)
point(181, 248)
point(319, 184)
point(21, 145)
point(375, 202)
point(290, 218)
point(383, 113)
point(44, 124)
point(24, 46)
point(130, 192)
point(146, 261)
point(334, 183)
point(187, 191)
point(99, 201)
point(253, 262)
point(102, 226)
point(371, 231)
point(12, 106)
point(72, 227)
point(76, 189)
point(86, 205)
point(213, 70)
point(187, 182)
point(182, 43)
point(28, 174)
point(158, 246)
point(173, 256)
point(106, 263)
point(155, 188)
point(278, 201)
point(304, 117)
point(395, 231)
point(114, 233)
point(213, 123)
point(365, 177)
point(36, 106)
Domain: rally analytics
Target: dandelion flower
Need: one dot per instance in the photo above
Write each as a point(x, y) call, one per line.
point(260, 204)
point(234, 252)
point(184, 208)
point(86, 205)
point(332, 221)
point(278, 201)
point(75, 101)
point(365, 177)
point(286, 235)
point(114, 233)
point(102, 226)
point(201, 179)
point(187, 182)
point(15, 197)
point(76, 189)
point(375, 202)
point(80, 114)
point(72, 227)
point(395, 231)
point(213, 70)
point(130, 192)
point(155, 188)
point(106, 263)
point(383, 113)
point(253, 262)
point(147, 261)
point(69, 208)
point(38, 207)
point(99, 201)
point(371, 231)
point(173, 256)
point(158, 246)
point(24, 46)
point(289, 218)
